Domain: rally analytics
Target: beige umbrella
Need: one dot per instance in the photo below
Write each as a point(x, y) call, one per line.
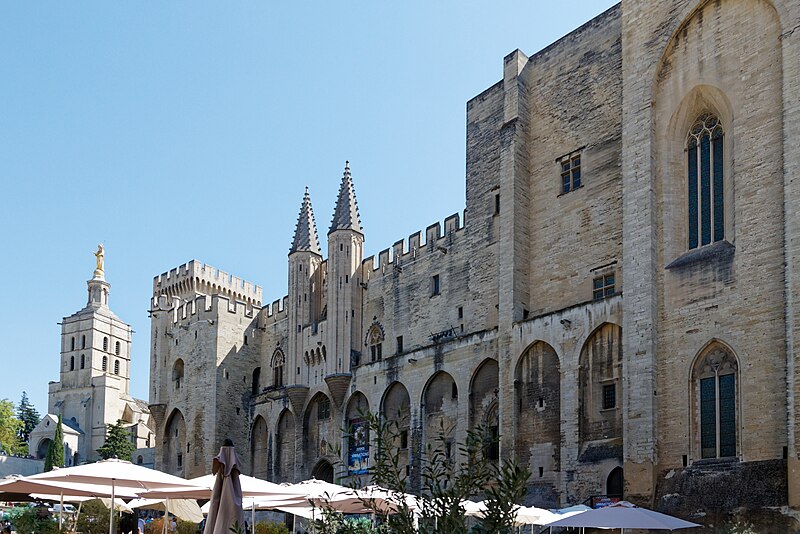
point(117, 474)
point(56, 491)
point(226, 499)
point(186, 509)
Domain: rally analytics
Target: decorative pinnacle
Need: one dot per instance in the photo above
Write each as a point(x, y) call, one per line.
point(345, 216)
point(305, 233)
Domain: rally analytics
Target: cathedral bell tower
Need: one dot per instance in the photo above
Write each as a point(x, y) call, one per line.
point(345, 253)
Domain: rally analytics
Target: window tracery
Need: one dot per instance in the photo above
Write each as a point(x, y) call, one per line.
point(705, 170)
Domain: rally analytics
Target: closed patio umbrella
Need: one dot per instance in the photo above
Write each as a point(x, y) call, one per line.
point(225, 511)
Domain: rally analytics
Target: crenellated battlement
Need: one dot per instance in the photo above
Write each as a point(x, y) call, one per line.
point(413, 248)
point(196, 277)
point(205, 307)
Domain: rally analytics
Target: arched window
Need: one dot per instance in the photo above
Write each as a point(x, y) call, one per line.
point(278, 360)
point(714, 384)
point(256, 385)
point(72, 343)
point(116, 348)
point(375, 343)
point(83, 360)
point(83, 342)
point(105, 363)
point(105, 344)
point(705, 163)
point(116, 367)
point(177, 373)
point(72, 363)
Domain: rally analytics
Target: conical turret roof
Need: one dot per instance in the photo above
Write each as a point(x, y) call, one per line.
point(346, 217)
point(305, 233)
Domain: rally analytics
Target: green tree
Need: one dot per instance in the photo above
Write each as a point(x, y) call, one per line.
point(118, 443)
point(9, 429)
point(93, 518)
point(55, 452)
point(27, 413)
point(447, 478)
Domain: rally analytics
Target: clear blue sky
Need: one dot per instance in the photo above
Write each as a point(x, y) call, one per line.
point(179, 130)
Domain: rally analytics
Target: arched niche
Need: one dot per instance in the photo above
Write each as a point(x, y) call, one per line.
point(285, 457)
point(318, 429)
point(600, 385)
point(537, 391)
point(483, 404)
point(175, 444)
point(259, 448)
point(440, 413)
point(357, 437)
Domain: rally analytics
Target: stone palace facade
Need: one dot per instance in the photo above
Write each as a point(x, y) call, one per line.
point(620, 301)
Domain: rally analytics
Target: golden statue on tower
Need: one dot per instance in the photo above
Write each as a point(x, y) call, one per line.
point(100, 257)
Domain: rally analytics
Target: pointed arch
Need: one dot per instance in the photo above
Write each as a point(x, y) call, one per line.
point(600, 383)
point(440, 411)
point(285, 456)
point(356, 442)
point(537, 408)
point(318, 429)
point(174, 460)
point(277, 364)
point(374, 341)
point(259, 448)
point(714, 401)
point(483, 403)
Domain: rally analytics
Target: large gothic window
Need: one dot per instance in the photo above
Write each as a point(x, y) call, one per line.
point(704, 150)
point(715, 393)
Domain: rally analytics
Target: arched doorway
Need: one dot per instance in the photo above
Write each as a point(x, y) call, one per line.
point(615, 483)
point(285, 448)
point(41, 450)
point(323, 471)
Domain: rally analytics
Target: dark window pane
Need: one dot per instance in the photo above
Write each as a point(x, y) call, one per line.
point(727, 415)
point(565, 183)
point(565, 167)
point(719, 205)
point(609, 291)
point(708, 417)
point(705, 190)
point(598, 294)
point(598, 283)
point(576, 178)
point(576, 162)
point(692, 160)
point(610, 280)
point(609, 396)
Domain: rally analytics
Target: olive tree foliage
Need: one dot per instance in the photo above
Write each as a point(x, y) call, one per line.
point(447, 478)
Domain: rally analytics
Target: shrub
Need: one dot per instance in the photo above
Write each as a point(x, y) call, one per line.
point(93, 518)
point(262, 527)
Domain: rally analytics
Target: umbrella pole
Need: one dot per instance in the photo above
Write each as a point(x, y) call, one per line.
point(166, 515)
point(253, 517)
point(111, 515)
point(77, 515)
point(60, 512)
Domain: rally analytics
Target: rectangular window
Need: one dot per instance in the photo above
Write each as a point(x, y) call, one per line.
point(603, 286)
point(460, 312)
point(399, 344)
point(435, 285)
point(497, 204)
point(324, 409)
point(609, 396)
point(570, 166)
point(180, 460)
point(727, 416)
point(708, 417)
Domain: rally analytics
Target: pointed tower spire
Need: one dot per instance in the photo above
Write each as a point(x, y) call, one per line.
point(305, 233)
point(346, 215)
